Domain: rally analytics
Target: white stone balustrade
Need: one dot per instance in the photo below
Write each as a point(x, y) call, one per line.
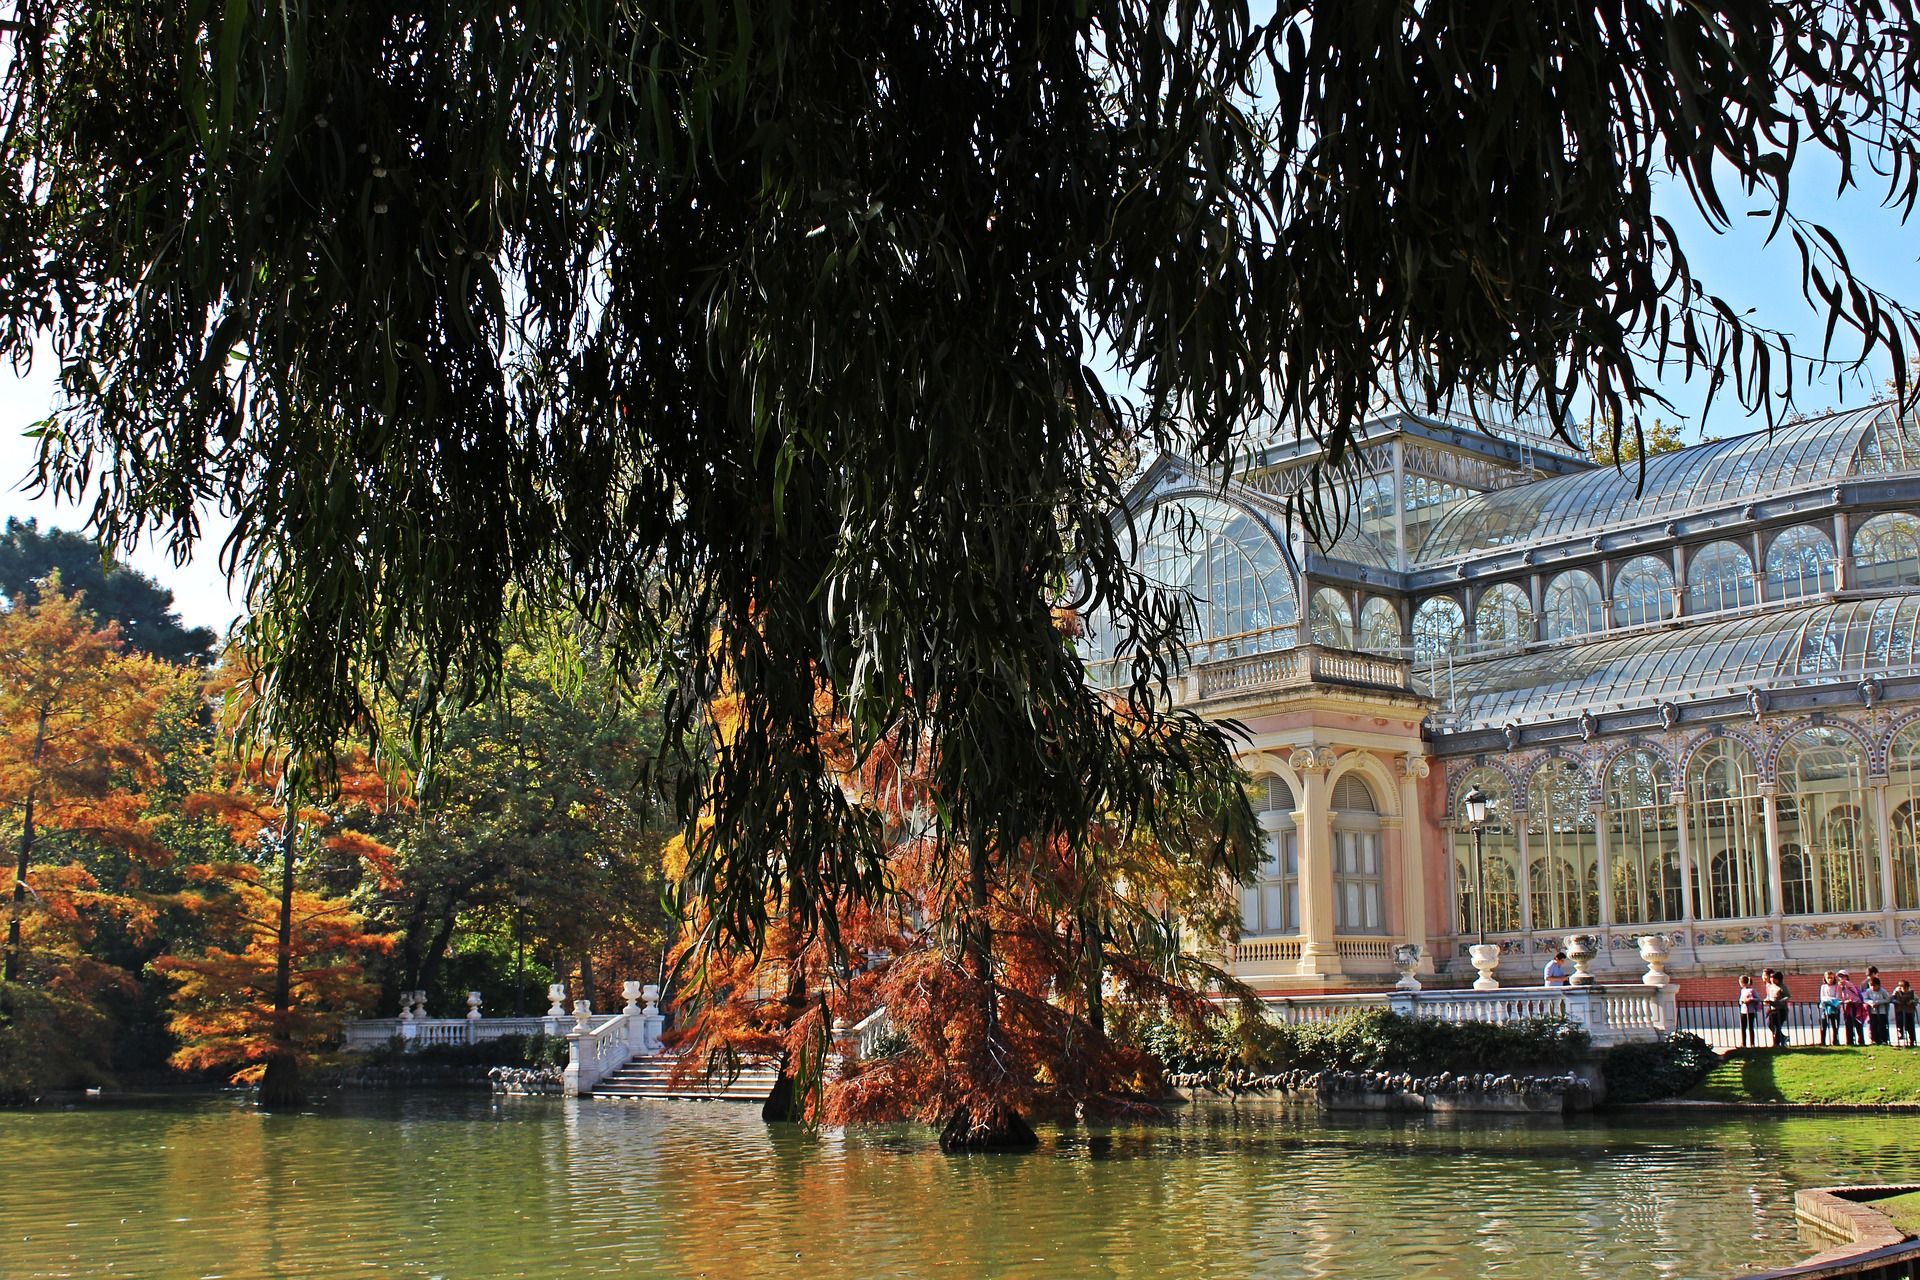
point(1610, 1015)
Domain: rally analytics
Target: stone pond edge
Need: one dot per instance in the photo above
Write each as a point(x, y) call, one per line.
point(1874, 1245)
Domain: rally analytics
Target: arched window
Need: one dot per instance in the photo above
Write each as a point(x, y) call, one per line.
point(1504, 616)
point(1357, 880)
point(1572, 605)
point(1643, 591)
point(1886, 551)
point(1719, 576)
point(1501, 858)
point(1330, 619)
point(1796, 880)
point(1643, 839)
point(1821, 813)
point(1273, 905)
point(1903, 810)
point(1800, 562)
point(1563, 860)
point(1439, 629)
point(1380, 626)
point(1728, 828)
point(1232, 571)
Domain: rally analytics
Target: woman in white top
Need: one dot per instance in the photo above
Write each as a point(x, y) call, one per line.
point(1830, 1008)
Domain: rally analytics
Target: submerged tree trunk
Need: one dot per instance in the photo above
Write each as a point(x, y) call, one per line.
point(280, 1087)
point(999, 1127)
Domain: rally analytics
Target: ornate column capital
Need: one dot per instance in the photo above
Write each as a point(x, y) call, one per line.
point(1414, 768)
point(1311, 759)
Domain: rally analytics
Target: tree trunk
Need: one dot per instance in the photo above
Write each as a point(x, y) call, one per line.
point(784, 1103)
point(17, 911)
point(1096, 975)
point(280, 1087)
point(998, 1127)
point(586, 975)
point(437, 949)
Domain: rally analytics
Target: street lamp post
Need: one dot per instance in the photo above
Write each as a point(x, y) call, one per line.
point(1475, 804)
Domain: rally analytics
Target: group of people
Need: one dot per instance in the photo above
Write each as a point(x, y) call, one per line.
point(1865, 1013)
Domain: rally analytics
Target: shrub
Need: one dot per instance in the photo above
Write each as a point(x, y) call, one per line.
point(47, 1042)
point(1369, 1040)
point(1646, 1072)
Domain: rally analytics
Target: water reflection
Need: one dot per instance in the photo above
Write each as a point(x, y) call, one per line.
point(464, 1186)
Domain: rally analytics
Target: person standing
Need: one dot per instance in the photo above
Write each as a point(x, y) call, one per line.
point(1555, 974)
point(1852, 1012)
point(1830, 1009)
point(1904, 1003)
point(1749, 1011)
point(1876, 999)
point(1779, 1004)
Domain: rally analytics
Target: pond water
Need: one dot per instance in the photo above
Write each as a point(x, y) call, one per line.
point(461, 1185)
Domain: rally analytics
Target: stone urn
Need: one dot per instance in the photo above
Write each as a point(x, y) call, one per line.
point(631, 990)
point(1486, 958)
point(582, 1016)
point(1581, 949)
point(473, 1006)
point(1653, 949)
point(1406, 958)
point(557, 1000)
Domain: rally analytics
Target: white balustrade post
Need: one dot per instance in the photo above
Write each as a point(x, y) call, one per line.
point(652, 1021)
point(473, 1017)
point(1586, 1007)
point(1666, 1003)
point(1406, 1003)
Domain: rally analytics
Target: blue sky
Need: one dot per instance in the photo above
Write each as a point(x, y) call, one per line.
point(1739, 265)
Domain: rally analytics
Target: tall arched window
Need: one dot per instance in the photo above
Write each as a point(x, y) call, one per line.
point(1643, 839)
point(1643, 591)
point(1504, 616)
point(1903, 811)
point(1357, 880)
point(1230, 568)
point(1822, 815)
point(1330, 619)
point(1380, 626)
point(1563, 873)
point(1800, 562)
point(1438, 629)
point(1273, 905)
point(1501, 858)
point(1719, 576)
point(1886, 551)
point(1728, 826)
point(1572, 605)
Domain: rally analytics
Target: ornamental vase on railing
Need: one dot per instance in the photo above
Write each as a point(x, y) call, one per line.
point(1653, 949)
point(473, 1006)
point(631, 990)
point(557, 1000)
point(1406, 958)
point(582, 1016)
point(1486, 959)
point(1581, 949)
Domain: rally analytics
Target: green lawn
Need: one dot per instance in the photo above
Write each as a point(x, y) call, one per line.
point(1904, 1209)
point(1856, 1075)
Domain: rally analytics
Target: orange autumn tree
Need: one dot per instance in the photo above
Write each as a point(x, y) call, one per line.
point(306, 952)
point(229, 1013)
point(77, 713)
point(994, 1015)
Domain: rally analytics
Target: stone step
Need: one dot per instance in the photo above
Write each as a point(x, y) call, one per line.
point(652, 1078)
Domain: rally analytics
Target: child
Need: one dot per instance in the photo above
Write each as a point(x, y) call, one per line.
point(1853, 1012)
point(1829, 1009)
point(1876, 1000)
point(1749, 1010)
point(1904, 1002)
point(1779, 1004)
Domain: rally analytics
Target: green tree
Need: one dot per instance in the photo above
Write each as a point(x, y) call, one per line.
point(112, 592)
point(1611, 445)
point(759, 331)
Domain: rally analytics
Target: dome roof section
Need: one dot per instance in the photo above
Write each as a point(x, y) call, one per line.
point(1849, 640)
point(1807, 454)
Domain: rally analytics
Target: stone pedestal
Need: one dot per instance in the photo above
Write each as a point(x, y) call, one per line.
point(652, 1022)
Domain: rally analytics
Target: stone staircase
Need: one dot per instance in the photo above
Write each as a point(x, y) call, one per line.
point(651, 1078)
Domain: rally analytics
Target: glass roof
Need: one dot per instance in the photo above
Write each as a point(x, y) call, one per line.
point(1817, 451)
point(1844, 641)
